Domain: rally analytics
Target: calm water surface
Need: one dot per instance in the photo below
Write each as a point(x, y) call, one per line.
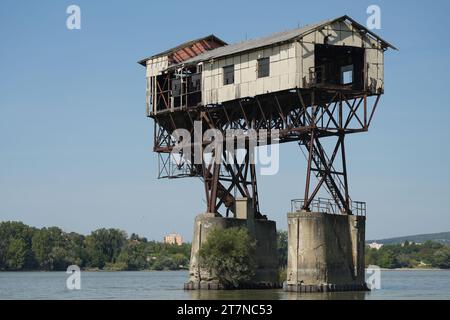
point(417, 284)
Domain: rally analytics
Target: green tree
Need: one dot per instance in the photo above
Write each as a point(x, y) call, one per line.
point(229, 255)
point(104, 246)
point(387, 259)
point(404, 261)
point(180, 260)
point(133, 255)
point(372, 256)
point(136, 237)
point(75, 251)
point(282, 248)
point(441, 258)
point(164, 263)
point(16, 236)
point(43, 245)
point(16, 254)
point(23, 247)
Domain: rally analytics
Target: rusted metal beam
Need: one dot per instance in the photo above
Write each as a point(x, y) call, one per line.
point(302, 115)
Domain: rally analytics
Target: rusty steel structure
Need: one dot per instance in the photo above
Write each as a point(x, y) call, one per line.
point(195, 83)
point(304, 116)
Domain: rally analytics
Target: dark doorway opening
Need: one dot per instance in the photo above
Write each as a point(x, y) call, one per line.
point(338, 66)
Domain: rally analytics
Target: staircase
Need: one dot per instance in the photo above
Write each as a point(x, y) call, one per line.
point(334, 184)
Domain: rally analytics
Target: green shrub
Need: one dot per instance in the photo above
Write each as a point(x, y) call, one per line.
point(229, 255)
point(282, 274)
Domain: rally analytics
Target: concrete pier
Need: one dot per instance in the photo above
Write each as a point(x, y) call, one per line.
point(325, 252)
point(263, 230)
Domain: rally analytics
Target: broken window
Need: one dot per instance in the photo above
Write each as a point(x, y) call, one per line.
point(228, 75)
point(195, 83)
point(263, 67)
point(347, 74)
point(176, 87)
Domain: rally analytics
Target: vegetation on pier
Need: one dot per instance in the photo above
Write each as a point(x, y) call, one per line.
point(228, 254)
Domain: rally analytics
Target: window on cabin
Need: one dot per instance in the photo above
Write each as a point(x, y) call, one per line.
point(176, 87)
point(228, 75)
point(347, 74)
point(195, 83)
point(263, 67)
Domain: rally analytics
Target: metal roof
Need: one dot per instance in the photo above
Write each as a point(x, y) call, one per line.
point(276, 38)
point(181, 46)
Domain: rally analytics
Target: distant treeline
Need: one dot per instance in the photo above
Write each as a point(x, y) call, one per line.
point(442, 237)
point(410, 255)
point(27, 248)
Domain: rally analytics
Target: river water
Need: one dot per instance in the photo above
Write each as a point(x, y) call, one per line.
point(401, 284)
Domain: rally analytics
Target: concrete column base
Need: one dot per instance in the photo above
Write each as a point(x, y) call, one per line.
point(325, 252)
point(324, 288)
point(264, 231)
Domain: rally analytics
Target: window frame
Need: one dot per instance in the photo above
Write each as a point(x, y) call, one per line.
point(347, 69)
point(260, 69)
point(227, 73)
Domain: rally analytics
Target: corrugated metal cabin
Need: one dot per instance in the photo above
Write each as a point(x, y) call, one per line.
point(335, 54)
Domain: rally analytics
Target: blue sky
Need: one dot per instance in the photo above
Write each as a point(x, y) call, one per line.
point(75, 145)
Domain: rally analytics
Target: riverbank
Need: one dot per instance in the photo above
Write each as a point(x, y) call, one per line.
point(414, 269)
point(187, 269)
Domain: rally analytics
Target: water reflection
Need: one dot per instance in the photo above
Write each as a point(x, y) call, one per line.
point(277, 294)
point(360, 295)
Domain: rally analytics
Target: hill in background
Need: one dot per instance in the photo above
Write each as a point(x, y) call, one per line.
point(443, 237)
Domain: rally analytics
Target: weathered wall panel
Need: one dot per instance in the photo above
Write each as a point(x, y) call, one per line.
point(375, 69)
point(283, 74)
point(157, 65)
point(290, 65)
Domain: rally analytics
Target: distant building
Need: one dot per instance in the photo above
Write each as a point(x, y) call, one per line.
point(411, 243)
point(375, 245)
point(173, 238)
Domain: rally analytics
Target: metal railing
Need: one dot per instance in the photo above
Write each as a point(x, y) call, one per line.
point(328, 206)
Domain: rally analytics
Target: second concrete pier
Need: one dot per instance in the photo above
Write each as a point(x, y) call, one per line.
point(325, 252)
